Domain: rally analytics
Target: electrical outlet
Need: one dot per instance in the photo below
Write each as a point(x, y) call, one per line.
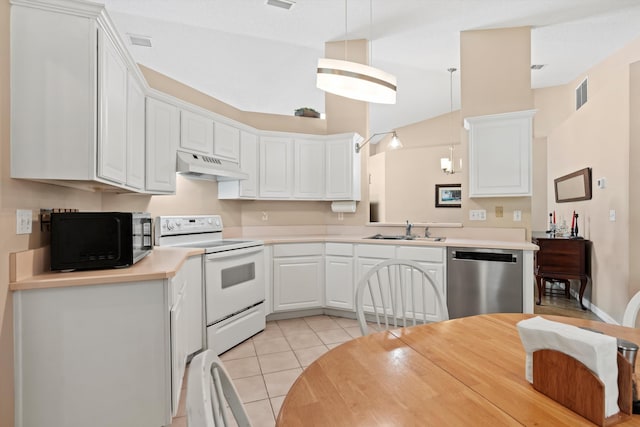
point(499, 211)
point(612, 215)
point(517, 215)
point(265, 216)
point(340, 216)
point(478, 215)
point(23, 221)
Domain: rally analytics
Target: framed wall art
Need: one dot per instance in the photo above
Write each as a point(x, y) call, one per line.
point(448, 195)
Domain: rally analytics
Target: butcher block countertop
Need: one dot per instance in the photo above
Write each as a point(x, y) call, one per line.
point(29, 269)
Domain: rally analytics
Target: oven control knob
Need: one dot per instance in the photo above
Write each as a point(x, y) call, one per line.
point(209, 220)
point(171, 225)
point(218, 222)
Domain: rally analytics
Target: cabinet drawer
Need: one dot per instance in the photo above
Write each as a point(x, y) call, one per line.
point(297, 249)
point(341, 249)
point(376, 251)
point(421, 254)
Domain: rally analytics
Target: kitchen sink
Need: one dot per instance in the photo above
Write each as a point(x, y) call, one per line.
point(405, 237)
point(390, 237)
point(431, 239)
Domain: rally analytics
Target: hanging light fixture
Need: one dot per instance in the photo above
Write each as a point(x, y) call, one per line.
point(446, 163)
point(354, 80)
point(394, 144)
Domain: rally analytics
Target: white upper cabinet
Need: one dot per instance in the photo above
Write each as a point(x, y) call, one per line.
point(309, 169)
point(163, 135)
point(53, 95)
point(226, 141)
point(342, 167)
point(70, 101)
point(500, 154)
point(276, 167)
point(135, 135)
point(196, 132)
point(112, 94)
point(243, 188)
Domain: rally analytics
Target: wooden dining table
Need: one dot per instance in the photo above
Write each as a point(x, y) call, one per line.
point(463, 372)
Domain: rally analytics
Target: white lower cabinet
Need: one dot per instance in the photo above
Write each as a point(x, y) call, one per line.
point(105, 355)
point(93, 356)
point(298, 276)
point(339, 274)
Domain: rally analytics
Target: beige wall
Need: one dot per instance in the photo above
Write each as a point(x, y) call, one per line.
point(603, 135)
point(496, 78)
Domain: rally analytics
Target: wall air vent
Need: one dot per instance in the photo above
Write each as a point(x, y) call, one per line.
point(581, 94)
point(537, 66)
point(143, 41)
point(284, 4)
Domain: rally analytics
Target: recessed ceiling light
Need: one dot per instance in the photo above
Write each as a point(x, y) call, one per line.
point(136, 40)
point(284, 4)
point(537, 66)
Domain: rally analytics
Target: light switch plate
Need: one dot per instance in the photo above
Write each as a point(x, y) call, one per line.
point(612, 215)
point(478, 215)
point(23, 221)
point(517, 215)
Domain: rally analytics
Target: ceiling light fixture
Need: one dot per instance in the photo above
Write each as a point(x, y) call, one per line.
point(446, 163)
point(354, 80)
point(283, 4)
point(394, 144)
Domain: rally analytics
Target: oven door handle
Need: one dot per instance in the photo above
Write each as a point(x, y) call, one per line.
point(235, 253)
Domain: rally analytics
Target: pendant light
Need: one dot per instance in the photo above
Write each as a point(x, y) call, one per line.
point(446, 163)
point(354, 80)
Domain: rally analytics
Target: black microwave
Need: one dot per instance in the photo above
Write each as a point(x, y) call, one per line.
point(95, 240)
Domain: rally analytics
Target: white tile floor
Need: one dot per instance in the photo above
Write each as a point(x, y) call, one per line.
point(264, 367)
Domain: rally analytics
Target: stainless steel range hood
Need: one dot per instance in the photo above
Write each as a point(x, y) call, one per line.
point(199, 166)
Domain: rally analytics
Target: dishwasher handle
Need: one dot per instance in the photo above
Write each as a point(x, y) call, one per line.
point(484, 256)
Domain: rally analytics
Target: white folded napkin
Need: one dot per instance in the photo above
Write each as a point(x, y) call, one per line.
point(598, 352)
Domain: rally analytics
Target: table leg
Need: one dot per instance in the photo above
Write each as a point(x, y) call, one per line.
point(540, 285)
point(583, 285)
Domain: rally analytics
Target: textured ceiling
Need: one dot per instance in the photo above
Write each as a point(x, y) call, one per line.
point(261, 58)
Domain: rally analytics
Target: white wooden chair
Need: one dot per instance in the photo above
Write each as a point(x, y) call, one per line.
point(209, 391)
point(631, 312)
point(398, 293)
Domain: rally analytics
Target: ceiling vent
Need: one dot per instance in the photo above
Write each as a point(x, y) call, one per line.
point(581, 94)
point(537, 66)
point(143, 41)
point(284, 4)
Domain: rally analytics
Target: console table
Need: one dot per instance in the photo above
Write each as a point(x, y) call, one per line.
point(562, 258)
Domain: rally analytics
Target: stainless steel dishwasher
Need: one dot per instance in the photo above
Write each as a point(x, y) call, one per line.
point(483, 281)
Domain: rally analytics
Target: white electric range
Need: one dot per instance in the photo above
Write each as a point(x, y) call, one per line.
point(234, 286)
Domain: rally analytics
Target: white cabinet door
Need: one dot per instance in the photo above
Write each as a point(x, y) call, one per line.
point(53, 95)
point(135, 135)
point(243, 188)
point(342, 170)
point(426, 302)
point(500, 154)
point(297, 283)
point(112, 95)
point(93, 356)
point(162, 131)
point(339, 283)
point(194, 300)
point(249, 164)
point(196, 132)
point(309, 169)
point(226, 141)
point(276, 167)
point(179, 333)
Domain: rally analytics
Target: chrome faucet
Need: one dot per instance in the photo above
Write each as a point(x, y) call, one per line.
point(426, 232)
point(408, 229)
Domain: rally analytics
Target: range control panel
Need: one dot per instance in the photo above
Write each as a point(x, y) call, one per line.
point(194, 224)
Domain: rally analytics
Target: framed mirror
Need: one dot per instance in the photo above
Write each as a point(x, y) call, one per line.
point(573, 187)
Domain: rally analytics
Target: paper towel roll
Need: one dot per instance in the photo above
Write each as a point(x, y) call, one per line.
point(348, 206)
